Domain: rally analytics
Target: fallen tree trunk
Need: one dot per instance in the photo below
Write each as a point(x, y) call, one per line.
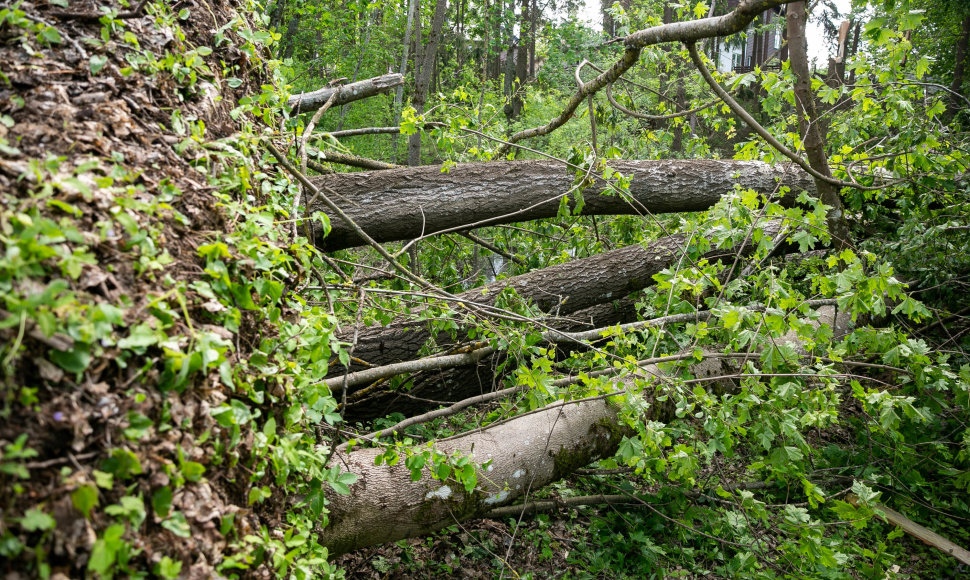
point(461, 382)
point(406, 203)
point(557, 290)
point(526, 452)
point(345, 93)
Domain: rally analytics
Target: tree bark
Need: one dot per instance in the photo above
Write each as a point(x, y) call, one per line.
point(312, 101)
point(360, 61)
point(960, 57)
point(459, 383)
point(521, 61)
point(403, 204)
point(557, 290)
point(808, 126)
point(424, 72)
point(533, 27)
point(399, 94)
point(526, 453)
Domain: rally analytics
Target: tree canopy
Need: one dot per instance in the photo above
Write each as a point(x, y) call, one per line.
point(653, 297)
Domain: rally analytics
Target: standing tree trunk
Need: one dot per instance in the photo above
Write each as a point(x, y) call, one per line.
point(460, 34)
point(360, 61)
point(678, 130)
point(289, 39)
point(521, 61)
point(276, 14)
point(960, 55)
point(533, 26)
point(808, 125)
point(423, 76)
point(399, 95)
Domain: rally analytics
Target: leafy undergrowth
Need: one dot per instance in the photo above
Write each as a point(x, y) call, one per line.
point(602, 543)
point(145, 428)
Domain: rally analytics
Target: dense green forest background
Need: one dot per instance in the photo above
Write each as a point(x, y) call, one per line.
point(752, 386)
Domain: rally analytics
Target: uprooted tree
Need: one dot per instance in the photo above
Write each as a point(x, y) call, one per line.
point(217, 362)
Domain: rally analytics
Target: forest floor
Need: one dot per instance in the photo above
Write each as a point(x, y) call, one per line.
point(91, 171)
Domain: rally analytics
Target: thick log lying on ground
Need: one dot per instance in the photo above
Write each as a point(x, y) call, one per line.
point(345, 93)
point(405, 203)
point(558, 290)
point(526, 452)
point(461, 382)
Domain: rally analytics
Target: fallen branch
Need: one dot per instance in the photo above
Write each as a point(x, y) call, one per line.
point(345, 94)
point(351, 160)
point(556, 289)
point(927, 535)
point(493, 248)
point(534, 507)
point(338, 384)
point(523, 453)
point(646, 117)
point(750, 121)
point(376, 131)
point(386, 505)
point(459, 406)
point(555, 336)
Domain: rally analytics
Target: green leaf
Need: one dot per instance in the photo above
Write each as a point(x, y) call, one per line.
point(105, 550)
point(168, 568)
point(162, 501)
point(340, 488)
point(259, 494)
point(140, 336)
point(122, 464)
point(75, 360)
point(805, 240)
point(35, 520)
point(85, 498)
point(97, 63)
point(192, 470)
point(103, 480)
point(50, 35)
point(178, 525)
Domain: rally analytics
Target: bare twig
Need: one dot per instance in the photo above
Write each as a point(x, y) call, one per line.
point(917, 531)
point(762, 132)
point(493, 248)
point(625, 111)
point(514, 511)
point(302, 152)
